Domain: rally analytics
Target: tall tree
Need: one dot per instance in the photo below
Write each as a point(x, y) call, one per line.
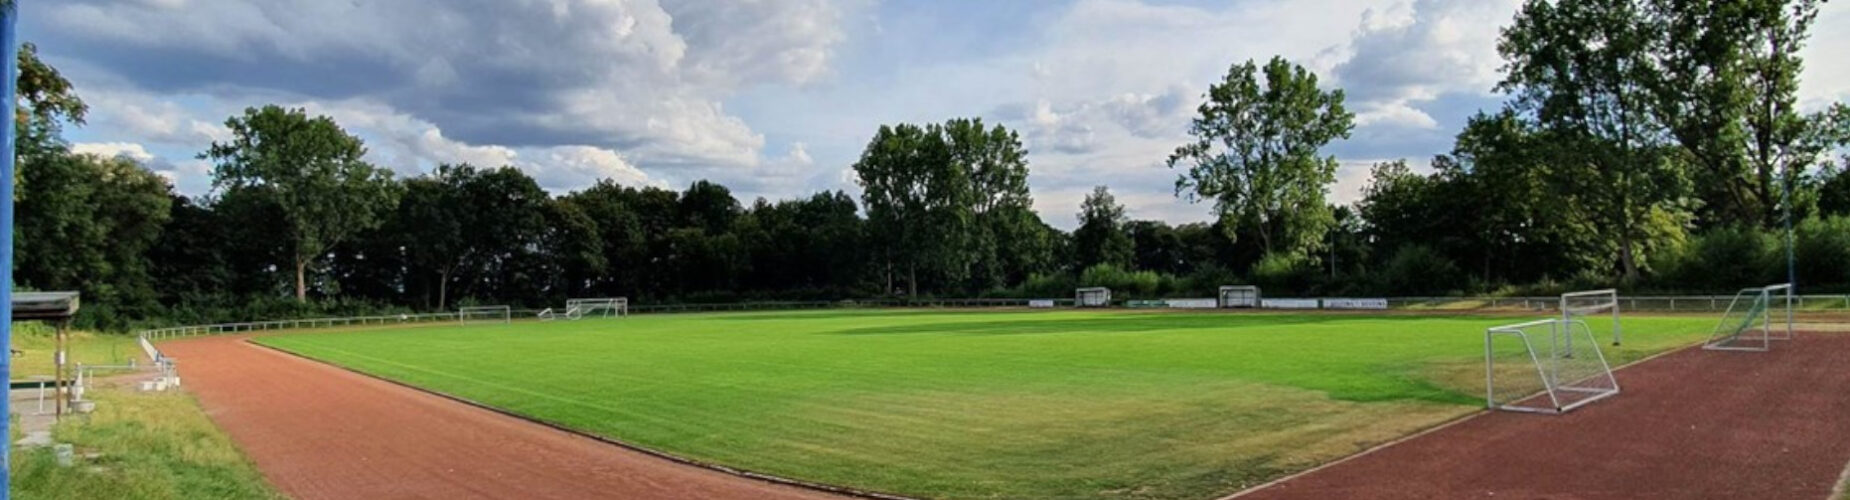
point(312, 170)
point(1726, 86)
point(918, 202)
point(1258, 154)
point(1580, 69)
point(1100, 238)
point(86, 223)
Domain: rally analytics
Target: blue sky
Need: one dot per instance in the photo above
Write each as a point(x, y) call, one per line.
point(776, 98)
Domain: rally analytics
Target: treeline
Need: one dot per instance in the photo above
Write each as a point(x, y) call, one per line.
point(1652, 145)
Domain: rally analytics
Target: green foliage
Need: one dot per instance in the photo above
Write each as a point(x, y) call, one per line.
point(1047, 404)
point(1100, 238)
point(1123, 284)
point(1823, 252)
point(1257, 154)
point(1418, 270)
point(312, 171)
point(85, 223)
point(1284, 273)
point(1725, 258)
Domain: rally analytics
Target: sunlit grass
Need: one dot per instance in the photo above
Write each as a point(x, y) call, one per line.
point(975, 404)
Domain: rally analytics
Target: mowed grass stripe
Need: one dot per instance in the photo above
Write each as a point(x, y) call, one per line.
point(975, 404)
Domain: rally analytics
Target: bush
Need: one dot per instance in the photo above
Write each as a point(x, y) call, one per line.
point(1282, 274)
point(1123, 284)
point(1724, 259)
point(1418, 270)
point(1823, 252)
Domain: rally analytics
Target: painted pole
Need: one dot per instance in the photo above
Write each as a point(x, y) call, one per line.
point(9, 57)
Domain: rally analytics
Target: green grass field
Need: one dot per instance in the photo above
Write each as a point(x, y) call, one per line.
point(975, 404)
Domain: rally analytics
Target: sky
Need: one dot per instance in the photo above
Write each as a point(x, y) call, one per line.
point(776, 98)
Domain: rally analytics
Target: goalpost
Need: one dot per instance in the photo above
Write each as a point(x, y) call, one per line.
point(1241, 296)
point(1092, 297)
point(485, 314)
point(1549, 366)
point(605, 307)
point(1755, 318)
point(1581, 306)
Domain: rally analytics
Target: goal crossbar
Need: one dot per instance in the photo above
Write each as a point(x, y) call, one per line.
point(1751, 321)
point(1577, 306)
point(1565, 377)
point(498, 314)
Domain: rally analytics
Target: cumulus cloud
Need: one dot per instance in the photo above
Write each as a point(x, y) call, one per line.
point(1409, 54)
point(639, 76)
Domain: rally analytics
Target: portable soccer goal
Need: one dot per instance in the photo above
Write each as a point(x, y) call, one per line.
point(1549, 366)
point(485, 314)
point(1092, 297)
point(1592, 307)
point(1240, 296)
point(598, 307)
point(1755, 318)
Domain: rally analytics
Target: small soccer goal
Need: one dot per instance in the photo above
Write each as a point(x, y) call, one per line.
point(1754, 319)
point(1549, 366)
point(485, 314)
point(608, 307)
point(1239, 296)
point(1092, 297)
point(1593, 307)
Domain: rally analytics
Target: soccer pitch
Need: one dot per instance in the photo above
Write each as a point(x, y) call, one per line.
point(975, 404)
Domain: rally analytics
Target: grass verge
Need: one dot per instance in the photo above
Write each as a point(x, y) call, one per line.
point(36, 344)
point(140, 446)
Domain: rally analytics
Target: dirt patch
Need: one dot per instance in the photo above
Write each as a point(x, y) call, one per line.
point(316, 431)
point(1692, 424)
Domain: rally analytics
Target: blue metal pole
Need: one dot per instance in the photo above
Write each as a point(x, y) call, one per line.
point(9, 57)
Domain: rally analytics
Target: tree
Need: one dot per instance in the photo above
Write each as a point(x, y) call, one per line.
point(1100, 238)
point(1257, 154)
point(1726, 86)
point(1834, 192)
point(919, 203)
point(86, 223)
point(1579, 69)
point(312, 170)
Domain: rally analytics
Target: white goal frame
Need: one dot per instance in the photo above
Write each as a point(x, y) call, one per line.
point(1102, 294)
point(1578, 306)
point(502, 314)
point(1759, 317)
point(606, 306)
point(1562, 396)
point(1242, 296)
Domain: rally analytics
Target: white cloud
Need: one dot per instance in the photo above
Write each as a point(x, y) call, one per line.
point(114, 149)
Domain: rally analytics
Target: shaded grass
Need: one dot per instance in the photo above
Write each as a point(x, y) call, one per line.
point(145, 446)
point(974, 404)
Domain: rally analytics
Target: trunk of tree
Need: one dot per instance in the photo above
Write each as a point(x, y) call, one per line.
point(912, 282)
point(443, 289)
point(301, 281)
point(1627, 261)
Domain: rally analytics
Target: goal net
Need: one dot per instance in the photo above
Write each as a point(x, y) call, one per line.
point(485, 314)
point(1599, 309)
point(1242, 296)
point(1092, 297)
point(1755, 318)
point(598, 307)
point(1549, 366)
